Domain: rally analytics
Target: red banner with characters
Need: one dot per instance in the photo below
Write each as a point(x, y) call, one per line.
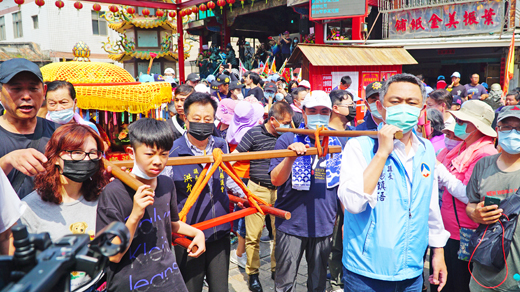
point(447, 20)
point(369, 77)
point(327, 82)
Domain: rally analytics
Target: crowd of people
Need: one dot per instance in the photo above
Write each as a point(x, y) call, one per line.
point(370, 215)
point(273, 49)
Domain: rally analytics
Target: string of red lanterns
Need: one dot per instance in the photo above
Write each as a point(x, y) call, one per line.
point(210, 5)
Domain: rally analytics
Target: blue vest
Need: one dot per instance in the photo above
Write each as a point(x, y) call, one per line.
point(388, 242)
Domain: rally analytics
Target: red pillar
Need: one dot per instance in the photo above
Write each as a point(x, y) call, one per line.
point(356, 28)
point(180, 45)
point(201, 41)
point(319, 33)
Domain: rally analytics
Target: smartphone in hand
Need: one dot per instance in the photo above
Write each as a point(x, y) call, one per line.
point(488, 201)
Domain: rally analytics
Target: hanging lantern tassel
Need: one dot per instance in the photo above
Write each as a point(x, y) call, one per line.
point(242, 1)
point(252, 2)
point(231, 2)
point(221, 4)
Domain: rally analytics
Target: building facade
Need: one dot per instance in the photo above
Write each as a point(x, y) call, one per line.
point(55, 31)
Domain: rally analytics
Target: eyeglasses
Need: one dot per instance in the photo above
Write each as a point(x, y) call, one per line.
point(78, 155)
point(508, 129)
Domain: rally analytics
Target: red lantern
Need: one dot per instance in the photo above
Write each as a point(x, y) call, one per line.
point(195, 9)
point(78, 5)
point(40, 3)
point(231, 2)
point(203, 7)
point(19, 2)
point(59, 4)
point(211, 5)
point(113, 8)
point(159, 13)
point(130, 10)
point(96, 7)
point(182, 13)
point(172, 14)
point(188, 11)
point(221, 4)
point(146, 12)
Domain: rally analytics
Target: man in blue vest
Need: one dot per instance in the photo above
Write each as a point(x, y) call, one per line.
point(389, 192)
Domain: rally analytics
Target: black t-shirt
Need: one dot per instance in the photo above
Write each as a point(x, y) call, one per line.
point(149, 264)
point(459, 90)
point(257, 92)
point(258, 139)
point(12, 141)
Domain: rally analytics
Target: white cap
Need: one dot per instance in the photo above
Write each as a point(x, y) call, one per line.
point(455, 74)
point(201, 88)
point(317, 98)
point(169, 70)
point(305, 83)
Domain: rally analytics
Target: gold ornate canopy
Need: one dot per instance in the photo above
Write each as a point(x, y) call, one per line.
point(108, 87)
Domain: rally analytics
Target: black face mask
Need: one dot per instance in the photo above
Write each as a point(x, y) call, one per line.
point(351, 113)
point(200, 131)
point(79, 171)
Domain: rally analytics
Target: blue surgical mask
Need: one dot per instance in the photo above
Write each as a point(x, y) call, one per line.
point(510, 142)
point(373, 110)
point(460, 131)
point(282, 126)
point(268, 94)
point(62, 117)
point(403, 116)
point(314, 121)
point(279, 97)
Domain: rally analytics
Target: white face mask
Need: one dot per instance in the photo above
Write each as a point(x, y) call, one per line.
point(138, 172)
point(240, 96)
point(450, 144)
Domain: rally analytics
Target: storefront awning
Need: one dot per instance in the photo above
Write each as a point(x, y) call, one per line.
point(331, 55)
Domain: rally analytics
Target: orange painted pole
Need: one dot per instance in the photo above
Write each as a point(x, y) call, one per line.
point(224, 219)
point(267, 209)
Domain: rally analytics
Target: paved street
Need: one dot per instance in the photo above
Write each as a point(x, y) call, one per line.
point(238, 277)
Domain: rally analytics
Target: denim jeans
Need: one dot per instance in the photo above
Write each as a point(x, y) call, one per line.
point(354, 282)
point(239, 225)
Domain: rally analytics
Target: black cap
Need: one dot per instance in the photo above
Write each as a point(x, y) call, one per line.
point(193, 77)
point(10, 68)
point(222, 79)
point(373, 88)
point(270, 86)
point(235, 83)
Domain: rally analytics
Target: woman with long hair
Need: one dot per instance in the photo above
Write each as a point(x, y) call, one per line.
point(65, 197)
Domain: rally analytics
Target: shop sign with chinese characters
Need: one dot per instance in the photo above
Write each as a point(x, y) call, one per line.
point(447, 20)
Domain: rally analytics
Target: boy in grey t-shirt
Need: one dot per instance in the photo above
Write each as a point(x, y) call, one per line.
point(497, 176)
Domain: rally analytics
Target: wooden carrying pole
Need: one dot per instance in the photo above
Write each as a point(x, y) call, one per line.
point(238, 156)
point(182, 241)
point(308, 132)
